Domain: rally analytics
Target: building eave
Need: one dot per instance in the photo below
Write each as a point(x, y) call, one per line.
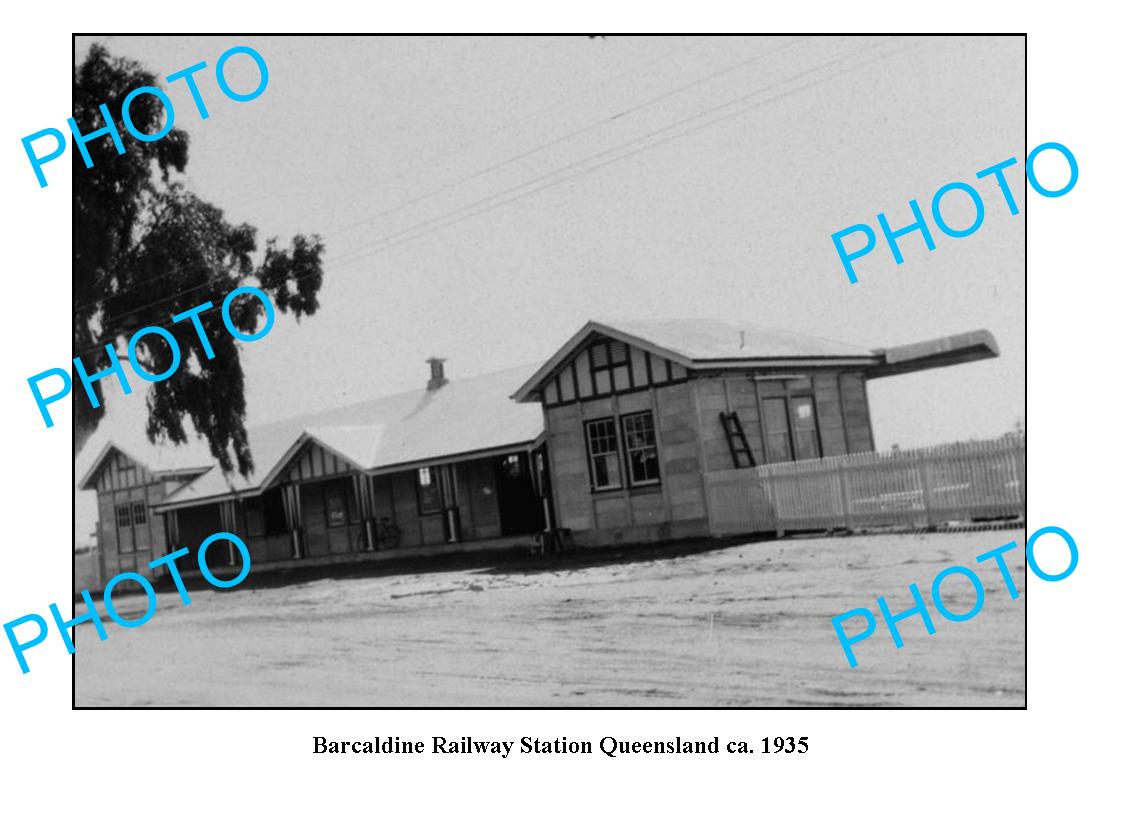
point(942, 351)
point(537, 380)
point(516, 447)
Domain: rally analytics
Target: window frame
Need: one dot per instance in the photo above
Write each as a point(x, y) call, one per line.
point(769, 432)
point(434, 485)
point(790, 429)
point(143, 509)
point(619, 372)
point(590, 457)
point(126, 533)
point(334, 486)
point(810, 397)
point(627, 448)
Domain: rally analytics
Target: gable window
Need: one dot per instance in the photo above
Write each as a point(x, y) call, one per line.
point(791, 428)
point(428, 491)
point(124, 516)
point(140, 513)
point(639, 443)
point(604, 454)
point(335, 506)
point(608, 364)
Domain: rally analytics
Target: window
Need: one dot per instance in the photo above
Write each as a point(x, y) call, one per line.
point(604, 456)
point(125, 537)
point(428, 491)
point(805, 428)
point(608, 362)
point(140, 513)
point(335, 505)
point(789, 420)
point(512, 467)
point(639, 442)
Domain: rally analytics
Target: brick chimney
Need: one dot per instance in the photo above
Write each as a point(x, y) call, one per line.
point(436, 373)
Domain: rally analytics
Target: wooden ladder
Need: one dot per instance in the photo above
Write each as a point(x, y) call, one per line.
point(738, 444)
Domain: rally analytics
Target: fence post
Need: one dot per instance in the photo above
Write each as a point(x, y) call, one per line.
point(926, 489)
point(844, 492)
point(1020, 470)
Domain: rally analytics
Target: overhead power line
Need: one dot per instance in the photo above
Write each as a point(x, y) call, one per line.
point(491, 168)
point(402, 236)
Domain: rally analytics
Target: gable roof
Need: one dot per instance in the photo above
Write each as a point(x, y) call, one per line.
point(162, 461)
point(700, 343)
point(389, 433)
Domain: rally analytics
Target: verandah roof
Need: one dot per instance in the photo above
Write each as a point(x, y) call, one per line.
point(465, 416)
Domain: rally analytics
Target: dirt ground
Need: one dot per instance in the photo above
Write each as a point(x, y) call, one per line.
point(744, 625)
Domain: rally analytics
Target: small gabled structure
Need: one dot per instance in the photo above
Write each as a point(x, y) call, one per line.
point(131, 479)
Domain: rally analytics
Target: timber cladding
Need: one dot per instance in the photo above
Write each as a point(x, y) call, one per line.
point(631, 512)
point(827, 406)
point(130, 535)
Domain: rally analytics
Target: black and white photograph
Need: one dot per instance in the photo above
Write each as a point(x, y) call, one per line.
point(604, 408)
point(583, 371)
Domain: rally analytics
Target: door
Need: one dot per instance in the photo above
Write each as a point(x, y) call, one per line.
point(520, 510)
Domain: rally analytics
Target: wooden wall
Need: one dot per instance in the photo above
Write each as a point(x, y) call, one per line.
point(602, 368)
point(691, 442)
point(118, 483)
point(395, 497)
point(319, 539)
point(196, 524)
point(840, 407)
point(674, 508)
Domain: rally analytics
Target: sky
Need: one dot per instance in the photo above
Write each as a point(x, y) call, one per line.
point(482, 198)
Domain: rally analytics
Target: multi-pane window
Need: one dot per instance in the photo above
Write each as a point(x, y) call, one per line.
point(608, 361)
point(791, 430)
point(126, 540)
point(335, 505)
point(604, 454)
point(140, 513)
point(428, 491)
point(639, 444)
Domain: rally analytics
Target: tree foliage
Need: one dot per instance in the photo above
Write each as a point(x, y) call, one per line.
point(147, 248)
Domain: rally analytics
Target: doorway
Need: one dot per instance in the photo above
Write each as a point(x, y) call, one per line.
point(520, 509)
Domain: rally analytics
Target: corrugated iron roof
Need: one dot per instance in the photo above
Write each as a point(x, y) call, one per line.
point(464, 416)
point(701, 340)
point(704, 343)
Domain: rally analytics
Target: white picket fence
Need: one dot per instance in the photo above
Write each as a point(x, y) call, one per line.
point(923, 487)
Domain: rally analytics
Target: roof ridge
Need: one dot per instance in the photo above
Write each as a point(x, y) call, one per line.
point(309, 417)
